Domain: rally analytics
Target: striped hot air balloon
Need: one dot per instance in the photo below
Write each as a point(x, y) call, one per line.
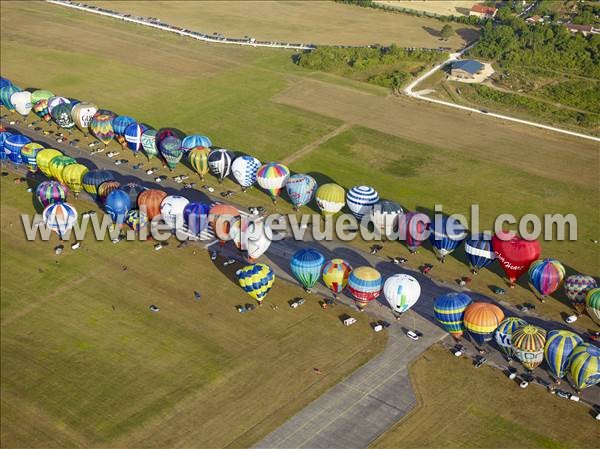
point(306, 266)
point(13, 145)
point(330, 199)
point(559, 346)
point(120, 124)
point(149, 202)
point(195, 216)
point(43, 159)
point(195, 140)
point(446, 235)
point(449, 310)
point(413, 228)
point(59, 217)
point(361, 199)
point(245, 169)
point(133, 137)
point(300, 189)
point(101, 127)
point(198, 159)
point(29, 153)
point(148, 141)
point(576, 288)
point(504, 332)
point(256, 280)
point(41, 110)
point(402, 291)
point(272, 177)
point(219, 162)
point(335, 275)
point(528, 343)
point(479, 251)
point(106, 188)
point(365, 284)
point(72, 176)
point(3, 136)
point(58, 164)
point(592, 304)
point(546, 276)
point(481, 320)
point(50, 192)
point(94, 178)
point(385, 215)
point(585, 365)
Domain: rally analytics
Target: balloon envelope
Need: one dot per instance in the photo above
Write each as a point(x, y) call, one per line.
point(149, 202)
point(43, 159)
point(13, 145)
point(171, 210)
point(300, 189)
point(592, 304)
point(195, 140)
point(504, 332)
point(364, 284)
point(558, 349)
point(135, 219)
point(251, 236)
point(576, 288)
point(219, 162)
point(361, 199)
point(330, 198)
point(449, 310)
point(306, 266)
point(59, 217)
point(106, 188)
point(480, 252)
point(546, 276)
point(195, 216)
point(528, 343)
point(272, 177)
point(82, 114)
point(413, 228)
point(481, 320)
point(515, 254)
point(170, 149)
point(101, 127)
point(22, 102)
point(401, 292)
point(446, 235)
point(245, 169)
point(117, 205)
point(61, 114)
point(256, 280)
point(221, 217)
point(93, 178)
point(585, 365)
point(149, 143)
point(73, 177)
point(29, 153)
point(5, 95)
point(198, 159)
point(385, 215)
point(133, 136)
point(335, 275)
point(58, 164)
point(50, 192)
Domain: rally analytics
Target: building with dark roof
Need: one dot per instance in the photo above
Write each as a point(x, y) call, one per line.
point(466, 69)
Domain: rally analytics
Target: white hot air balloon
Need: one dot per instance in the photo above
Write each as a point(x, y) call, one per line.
point(171, 209)
point(59, 217)
point(385, 216)
point(82, 114)
point(244, 170)
point(22, 102)
point(361, 199)
point(55, 101)
point(402, 292)
point(252, 236)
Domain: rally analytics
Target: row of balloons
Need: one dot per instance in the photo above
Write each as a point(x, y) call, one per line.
point(563, 350)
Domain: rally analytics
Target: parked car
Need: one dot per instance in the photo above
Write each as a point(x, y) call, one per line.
point(479, 361)
point(412, 335)
point(571, 319)
point(121, 161)
point(160, 178)
point(512, 373)
point(297, 302)
point(562, 394)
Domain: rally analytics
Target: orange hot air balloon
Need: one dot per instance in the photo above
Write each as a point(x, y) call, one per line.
point(481, 320)
point(217, 218)
point(105, 188)
point(149, 202)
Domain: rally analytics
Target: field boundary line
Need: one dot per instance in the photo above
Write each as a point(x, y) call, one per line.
point(309, 148)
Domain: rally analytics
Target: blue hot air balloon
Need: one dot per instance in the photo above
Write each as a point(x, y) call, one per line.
point(558, 349)
point(479, 251)
point(117, 205)
point(133, 136)
point(244, 170)
point(195, 217)
point(219, 162)
point(361, 199)
point(446, 234)
point(195, 140)
point(306, 265)
point(93, 178)
point(300, 188)
point(5, 82)
point(449, 310)
point(13, 145)
point(119, 125)
point(3, 136)
point(5, 94)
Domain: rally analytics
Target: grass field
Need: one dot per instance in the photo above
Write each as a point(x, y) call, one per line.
point(439, 7)
point(85, 363)
point(453, 414)
point(317, 22)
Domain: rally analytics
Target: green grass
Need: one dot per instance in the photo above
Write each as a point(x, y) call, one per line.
point(84, 361)
point(451, 416)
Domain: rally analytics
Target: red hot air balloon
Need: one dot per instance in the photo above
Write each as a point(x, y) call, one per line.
point(515, 254)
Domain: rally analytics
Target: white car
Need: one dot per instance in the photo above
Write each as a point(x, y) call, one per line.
point(59, 139)
point(524, 384)
point(119, 162)
point(76, 245)
point(100, 150)
point(112, 154)
point(571, 319)
point(157, 247)
point(412, 335)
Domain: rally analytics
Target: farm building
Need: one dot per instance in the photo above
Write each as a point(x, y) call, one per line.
point(483, 12)
point(466, 69)
point(583, 29)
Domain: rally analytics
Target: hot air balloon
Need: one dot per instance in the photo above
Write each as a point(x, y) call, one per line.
point(60, 217)
point(170, 149)
point(171, 210)
point(576, 288)
point(149, 143)
point(50, 192)
point(117, 205)
point(413, 228)
point(219, 163)
point(4, 82)
point(504, 332)
point(256, 280)
point(101, 127)
point(385, 215)
point(251, 236)
point(133, 190)
point(558, 349)
point(198, 158)
point(528, 343)
point(58, 164)
point(244, 170)
point(41, 110)
point(195, 216)
point(221, 217)
point(481, 319)
point(106, 188)
point(72, 176)
point(306, 265)
point(38, 95)
point(149, 202)
point(335, 275)
point(136, 220)
point(361, 199)
point(61, 114)
point(22, 102)
point(43, 159)
point(29, 153)
point(133, 137)
point(401, 292)
point(56, 101)
point(272, 178)
point(3, 136)
point(585, 365)
point(119, 125)
point(82, 114)
point(449, 310)
point(592, 304)
point(94, 178)
point(515, 254)
point(99, 112)
point(167, 132)
point(13, 145)
point(546, 276)
point(446, 235)
point(301, 189)
point(364, 284)
point(194, 141)
point(479, 251)
point(330, 199)
point(6, 93)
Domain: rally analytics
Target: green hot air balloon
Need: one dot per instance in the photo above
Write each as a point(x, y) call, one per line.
point(170, 148)
point(61, 114)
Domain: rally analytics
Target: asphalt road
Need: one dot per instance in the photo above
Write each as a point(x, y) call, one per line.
point(362, 407)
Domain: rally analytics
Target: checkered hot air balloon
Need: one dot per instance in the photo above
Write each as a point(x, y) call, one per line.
point(245, 169)
point(256, 280)
point(361, 199)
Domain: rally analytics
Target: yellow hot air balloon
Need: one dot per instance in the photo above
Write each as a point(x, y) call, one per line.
point(256, 280)
point(198, 158)
point(43, 159)
point(330, 198)
point(73, 176)
point(57, 165)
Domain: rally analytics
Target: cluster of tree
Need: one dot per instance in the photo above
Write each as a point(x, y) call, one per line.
point(549, 46)
point(588, 14)
point(581, 94)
